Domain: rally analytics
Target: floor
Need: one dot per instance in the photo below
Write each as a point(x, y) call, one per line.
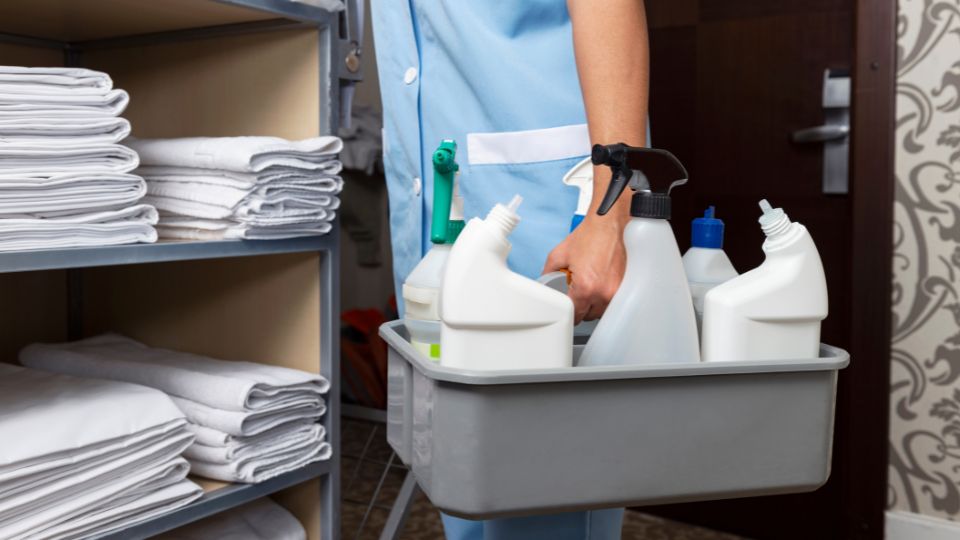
point(368, 462)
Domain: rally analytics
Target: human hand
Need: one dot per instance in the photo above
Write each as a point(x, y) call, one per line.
point(595, 256)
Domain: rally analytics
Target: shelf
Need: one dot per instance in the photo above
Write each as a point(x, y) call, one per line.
point(75, 22)
point(219, 499)
point(164, 251)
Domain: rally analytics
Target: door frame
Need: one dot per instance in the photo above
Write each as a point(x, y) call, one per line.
point(873, 126)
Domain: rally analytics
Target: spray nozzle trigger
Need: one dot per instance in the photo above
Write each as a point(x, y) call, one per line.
point(641, 168)
point(444, 169)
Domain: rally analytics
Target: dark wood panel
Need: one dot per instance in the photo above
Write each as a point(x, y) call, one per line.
point(866, 384)
point(673, 13)
point(741, 9)
point(756, 75)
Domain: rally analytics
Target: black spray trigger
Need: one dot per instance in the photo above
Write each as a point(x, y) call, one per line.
point(651, 172)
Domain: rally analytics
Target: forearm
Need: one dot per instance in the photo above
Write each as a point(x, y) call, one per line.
point(610, 44)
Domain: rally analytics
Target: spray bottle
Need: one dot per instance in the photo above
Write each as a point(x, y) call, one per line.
point(581, 177)
point(650, 319)
point(421, 290)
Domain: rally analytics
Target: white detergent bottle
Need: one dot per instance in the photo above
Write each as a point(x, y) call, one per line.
point(650, 319)
point(421, 290)
point(705, 262)
point(493, 318)
point(772, 312)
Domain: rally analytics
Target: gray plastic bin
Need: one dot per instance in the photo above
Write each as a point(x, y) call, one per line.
point(485, 444)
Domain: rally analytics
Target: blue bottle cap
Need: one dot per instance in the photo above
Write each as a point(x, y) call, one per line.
point(707, 231)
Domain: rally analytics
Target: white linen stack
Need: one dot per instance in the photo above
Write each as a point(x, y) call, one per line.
point(211, 188)
point(251, 421)
point(84, 457)
point(64, 179)
point(261, 519)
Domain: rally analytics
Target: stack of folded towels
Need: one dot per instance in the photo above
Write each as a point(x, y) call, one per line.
point(251, 421)
point(241, 187)
point(84, 457)
point(64, 180)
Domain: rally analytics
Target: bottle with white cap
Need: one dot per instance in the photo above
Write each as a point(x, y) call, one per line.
point(493, 318)
point(774, 311)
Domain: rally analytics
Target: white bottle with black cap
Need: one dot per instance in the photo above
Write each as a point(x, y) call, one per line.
point(650, 319)
point(772, 312)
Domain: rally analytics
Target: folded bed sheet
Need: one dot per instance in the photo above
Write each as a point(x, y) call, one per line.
point(188, 228)
point(123, 226)
point(243, 180)
point(220, 384)
point(239, 154)
point(53, 412)
point(43, 160)
point(69, 194)
point(31, 81)
point(58, 131)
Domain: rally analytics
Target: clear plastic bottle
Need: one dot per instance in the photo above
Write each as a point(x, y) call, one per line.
point(774, 311)
point(650, 319)
point(705, 263)
point(421, 290)
point(493, 318)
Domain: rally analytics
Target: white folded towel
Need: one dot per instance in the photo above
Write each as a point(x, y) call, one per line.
point(247, 423)
point(222, 384)
point(43, 160)
point(258, 469)
point(242, 180)
point(214, 201)
point(261, 519)
point(49, 415)
point(182, 228)
point(274, 441)
point(69, 194)
point(239, 154)
point(57, 131)
point(211, 437)
point(31, 81)
point(123, 226)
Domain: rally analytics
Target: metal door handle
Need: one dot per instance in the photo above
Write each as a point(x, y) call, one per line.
point(829, 132)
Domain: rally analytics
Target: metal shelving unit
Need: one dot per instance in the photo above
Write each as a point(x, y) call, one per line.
point(74, 27)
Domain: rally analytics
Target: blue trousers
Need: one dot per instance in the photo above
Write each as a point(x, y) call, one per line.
point(593, 525)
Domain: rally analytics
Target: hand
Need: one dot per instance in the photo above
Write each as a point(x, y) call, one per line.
point(595, 256)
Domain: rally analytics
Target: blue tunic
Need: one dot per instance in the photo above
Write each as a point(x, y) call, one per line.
point(500, 79)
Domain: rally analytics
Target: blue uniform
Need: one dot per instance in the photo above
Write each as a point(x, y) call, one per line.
point(500, 79)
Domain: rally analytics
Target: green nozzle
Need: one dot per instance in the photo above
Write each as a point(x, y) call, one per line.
point(444, 169)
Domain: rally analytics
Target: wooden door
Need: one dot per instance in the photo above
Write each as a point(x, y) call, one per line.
point(730, 80)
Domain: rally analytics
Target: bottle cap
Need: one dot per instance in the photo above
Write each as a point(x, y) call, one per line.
point(646, 204)
point(707, 231)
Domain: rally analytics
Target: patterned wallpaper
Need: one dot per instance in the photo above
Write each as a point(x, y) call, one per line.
point(925, 392)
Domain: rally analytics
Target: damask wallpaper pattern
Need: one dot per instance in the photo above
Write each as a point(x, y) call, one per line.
point(925, 393)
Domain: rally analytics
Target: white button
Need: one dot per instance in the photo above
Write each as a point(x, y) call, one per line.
point(410, 75)
point(417, 186)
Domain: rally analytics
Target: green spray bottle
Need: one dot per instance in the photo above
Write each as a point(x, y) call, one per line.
point(421, 290)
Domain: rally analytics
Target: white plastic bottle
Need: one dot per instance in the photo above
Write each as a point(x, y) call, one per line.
point(421, 290)
point(705, 263)
point(493, 318)
point(772, 312)
point(650, 319)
